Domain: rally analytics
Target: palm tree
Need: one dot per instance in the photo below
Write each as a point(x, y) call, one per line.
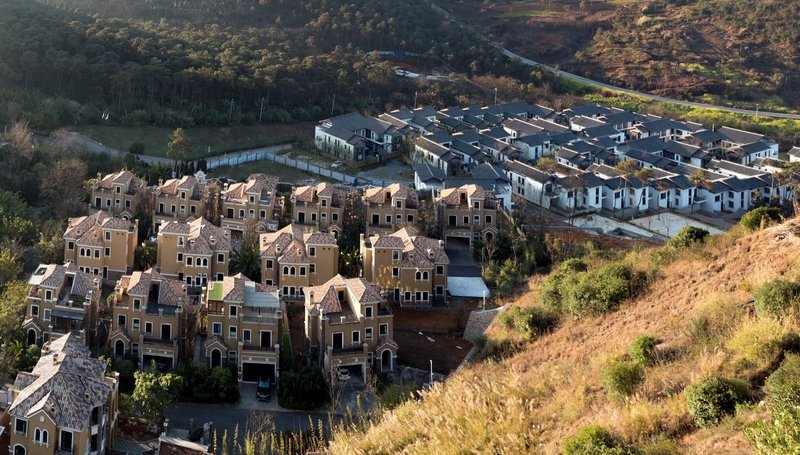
point(246, 260)
point(699, 179)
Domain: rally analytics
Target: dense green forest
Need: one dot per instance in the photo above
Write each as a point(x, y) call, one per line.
point(220, 62)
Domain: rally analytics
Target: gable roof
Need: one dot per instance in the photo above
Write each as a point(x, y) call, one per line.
point(427, 173)
point(66, 384)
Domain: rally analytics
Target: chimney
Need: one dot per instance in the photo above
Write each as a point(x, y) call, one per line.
point(212, 240)
point(96, 283)
point(160, 182)
point(441, 244)
point(99, 176)
point(227, 233)
point(430, 253)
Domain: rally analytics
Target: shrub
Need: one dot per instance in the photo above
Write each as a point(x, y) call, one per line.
point(550, 295)
point(623, 378)
point(775, 298)
point(784, 383)
point(304, 389)
point(758, 218)
point(662, 446)
point(759, 342)
point(594, 439)
point(597, 292)
point(780, 434)
point(687, 237)
point(530, 322)
point(573, 265)
point(396, 394)
point(715, 397)
point(643, 350)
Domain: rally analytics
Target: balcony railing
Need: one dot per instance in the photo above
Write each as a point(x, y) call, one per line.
point(256, 347)
point(348, 351)
point(161, 341)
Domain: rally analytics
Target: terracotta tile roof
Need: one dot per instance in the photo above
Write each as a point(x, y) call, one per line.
point(325, 296)
point(271, 242)
point(187, 183)
point(199, 234)
point(295, 253)
point(386, 241)
point(124, 177)
point(451, 196)
point(66, 384)
point(88, 230)
point(320, 238)
point(264, 185)
point(418, 251)
point(324, 189)
point(395, 190)
point(233, 288)
point(170, 292)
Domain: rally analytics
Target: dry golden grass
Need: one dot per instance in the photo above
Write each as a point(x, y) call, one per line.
point(531, 401)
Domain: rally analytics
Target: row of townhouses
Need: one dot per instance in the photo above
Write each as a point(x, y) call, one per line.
point(689, 167)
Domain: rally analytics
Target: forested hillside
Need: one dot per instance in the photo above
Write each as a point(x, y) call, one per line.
point(736, 52)
point(218, 62)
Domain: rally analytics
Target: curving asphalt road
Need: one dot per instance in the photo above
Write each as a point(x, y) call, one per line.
point(599, 84)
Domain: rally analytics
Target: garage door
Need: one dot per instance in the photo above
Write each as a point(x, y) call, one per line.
point(252, 372)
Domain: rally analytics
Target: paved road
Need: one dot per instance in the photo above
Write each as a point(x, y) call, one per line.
point(599, 84)
point(228, 417)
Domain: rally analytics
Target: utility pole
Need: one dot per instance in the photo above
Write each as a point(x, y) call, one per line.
point(415, 100)
point(333, 104)
point(431, 384)
point(495, 95)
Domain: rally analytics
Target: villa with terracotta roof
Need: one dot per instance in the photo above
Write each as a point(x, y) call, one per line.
point(254, 199)
point(389, 209)
point(318, 207)
point(193, 251)
point(178, 200)
point(68, 404)
point(101, 244)
point(467, 212)
point(61, 300)
point(293, 258)
point(348, 325)
point(117, 193)
point(244, 325)
point(409, 269)
point(149, 314)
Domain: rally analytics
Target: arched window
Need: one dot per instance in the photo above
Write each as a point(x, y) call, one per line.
point(37, 435)
point(418, 275)
point(292, 271)
point(425, 275)
point(205, 262)
point(19, 450)
point(286, 270)
point(44, 436)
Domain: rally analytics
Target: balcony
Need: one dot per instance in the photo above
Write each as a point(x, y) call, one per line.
point(256, 347)
point(264, 319)
point(159, 341)
point(347, 351)
point(74, 302)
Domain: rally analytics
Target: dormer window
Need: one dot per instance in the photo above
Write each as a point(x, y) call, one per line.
point(324, 202)
point(183, 194)
point(476, 205)
point(398, 204)
point(233, 309)
point(368, 312)
point(119, 189)
point(252, 199)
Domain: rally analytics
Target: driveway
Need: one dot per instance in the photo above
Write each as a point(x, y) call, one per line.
point(229, 417)
point(461, 261)
point(392, 171)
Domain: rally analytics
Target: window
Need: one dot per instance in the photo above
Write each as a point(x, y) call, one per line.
point(70, 246)
point(108, 252)
point(312, 269)
point(466, 220)
point(34, 310)
point(312, 251)
point(418, 275)
point(407, 296)
point(395, 255)
point(180, 257)
point(252, 199)
point(118, 189)
point(399, 218)
point(251, 213)
point(302, 271)
point(48, 295)
point(368, 312)
point(383, 329)
point(395, 272)
point(47, 314)
point(335, 217)
point(476, 205)
point(410, 219)
point(398, 204)
point(388, 219)
point(324, 202)
point(285, 270)
point(161, 207)
point(220, 276)
point(183, 194)
point(108, 235)
point(323, 216)
point(488, 219)
point(440, 270)
point(21, 426)
point(476, 219)
point(205, 262)
point(183, 208)
point(233, 309)
point(136, 324)
point(241, 213)
point(172, 208)
point(368, 334)
point(96, 253)
point(137, 304)
point(262, 214)
point(121, 320)
point(269, 263)
point(193, 209)
point(425, 275)
point(232, 332)
point(356, 337)
point(230, 213)
point(216, 328)
point(40, 436)
point(148, 328)
point(313, 217)
point(246, 335)
point(220, 258)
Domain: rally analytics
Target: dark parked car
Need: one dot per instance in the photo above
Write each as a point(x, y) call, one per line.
point(262, 391)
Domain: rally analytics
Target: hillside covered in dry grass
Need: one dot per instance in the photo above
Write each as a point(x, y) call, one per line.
point(537, 388)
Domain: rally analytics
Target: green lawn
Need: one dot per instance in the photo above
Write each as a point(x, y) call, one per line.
point(205, 141)
point(285, 173)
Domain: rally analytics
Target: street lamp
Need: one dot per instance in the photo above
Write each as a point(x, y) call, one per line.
point(431, 373)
